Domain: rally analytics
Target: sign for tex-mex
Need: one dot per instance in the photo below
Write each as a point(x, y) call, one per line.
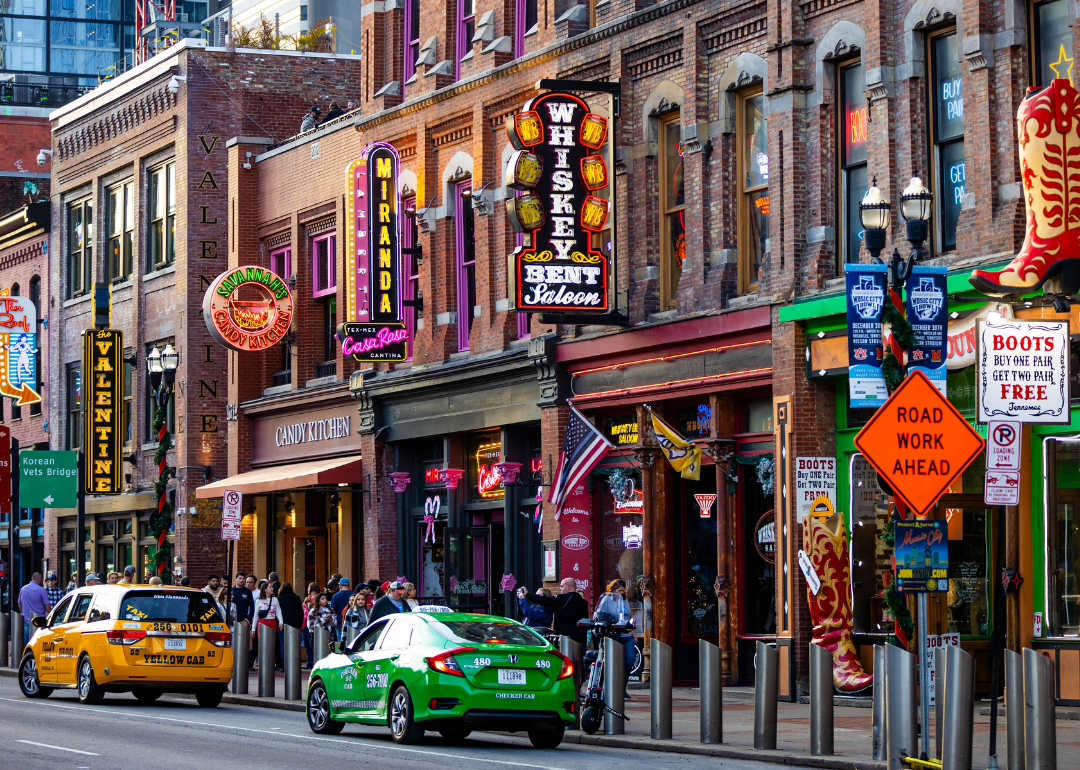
point(374, 330)
point(248, 308)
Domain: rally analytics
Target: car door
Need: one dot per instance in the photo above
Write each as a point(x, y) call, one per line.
point(52, 639)
point(67, 652)
point(381, 663)
point(346, 688)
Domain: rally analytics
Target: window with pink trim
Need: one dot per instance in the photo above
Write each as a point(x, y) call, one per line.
point(324, 265)
point(410, 268)
point(466, 261)
point(281, 262)
point(524, 21)
point(466, 28)
point(412, 37)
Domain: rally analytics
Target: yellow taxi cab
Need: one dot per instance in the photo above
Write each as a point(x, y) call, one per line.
point(141, 638)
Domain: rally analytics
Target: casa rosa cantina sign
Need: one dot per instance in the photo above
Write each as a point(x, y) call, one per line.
point(558, 170)
point(248, 308)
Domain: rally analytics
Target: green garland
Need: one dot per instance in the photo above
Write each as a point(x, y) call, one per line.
point(905, 337)
point(896, 603)
point(160, 522)
point(762, 464)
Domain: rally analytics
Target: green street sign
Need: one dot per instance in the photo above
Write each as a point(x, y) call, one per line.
point(48, 479)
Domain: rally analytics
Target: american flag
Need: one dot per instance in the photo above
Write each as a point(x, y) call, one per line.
point(584, 447)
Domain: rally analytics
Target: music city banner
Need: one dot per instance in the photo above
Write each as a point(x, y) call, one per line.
point(865, 305)
point(928, 315)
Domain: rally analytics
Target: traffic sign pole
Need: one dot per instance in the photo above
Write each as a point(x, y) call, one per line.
point(924, 681)
point(13, 529)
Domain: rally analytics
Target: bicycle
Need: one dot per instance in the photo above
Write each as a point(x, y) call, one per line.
point(593, 709)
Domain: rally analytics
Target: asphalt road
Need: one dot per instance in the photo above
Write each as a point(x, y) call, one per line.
point(60, 733)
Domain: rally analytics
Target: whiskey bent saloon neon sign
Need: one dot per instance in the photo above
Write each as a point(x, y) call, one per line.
point(557, 166)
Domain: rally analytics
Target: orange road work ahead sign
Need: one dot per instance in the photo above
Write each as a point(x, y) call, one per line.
point(918, 442)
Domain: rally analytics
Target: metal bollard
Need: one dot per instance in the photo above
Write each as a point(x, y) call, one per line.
point(241, 651)
point(320, 643)
point(660, 691)
point(712, 719)
point(766, 691)
point(880, 734)
point(1014, 709)
point(4, 640)
point(18, 639)
point(1040, 748)
point(821, 701)
point(291, 651)
point(901, 702)
point(614, 686)
point(267, 657)
point(572, 649)
point(940, 666)
point(959, 709)
point(350, 634)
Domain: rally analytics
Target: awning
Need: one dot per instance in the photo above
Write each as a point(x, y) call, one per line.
point(337, 470)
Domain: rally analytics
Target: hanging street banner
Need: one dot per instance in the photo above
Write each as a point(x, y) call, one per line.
point(248, 308)
point(48, 479)
point(814, 477)
point(1023, 371)
point(18, 340)
point(918, 443)
point(922, 556)
point(928, 314)
point(374, 329)
point(103, 399)
point(865, 304)
point(558, 167)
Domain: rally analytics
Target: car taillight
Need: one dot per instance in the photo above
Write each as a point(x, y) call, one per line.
point(124, 637)
point(567, 667)
point(444, 662)
point(219, 638)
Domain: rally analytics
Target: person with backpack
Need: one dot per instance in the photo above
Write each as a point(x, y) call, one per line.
point(267, 613)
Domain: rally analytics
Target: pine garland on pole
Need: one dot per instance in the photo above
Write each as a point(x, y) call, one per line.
point(161, 522)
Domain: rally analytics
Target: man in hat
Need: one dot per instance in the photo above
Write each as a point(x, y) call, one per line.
point(339, 602)
point(53, 589)
point(92, 579)
point(391, 604)
point(311, 119)
point(129, 576)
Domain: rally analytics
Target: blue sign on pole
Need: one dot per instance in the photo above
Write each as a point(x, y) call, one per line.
point(922, 556)
point(865, 305)
point(928, 314)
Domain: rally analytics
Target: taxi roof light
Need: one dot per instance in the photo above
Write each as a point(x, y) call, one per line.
point(444, 662)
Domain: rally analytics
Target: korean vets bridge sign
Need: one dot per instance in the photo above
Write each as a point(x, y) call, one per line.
point(918, 442)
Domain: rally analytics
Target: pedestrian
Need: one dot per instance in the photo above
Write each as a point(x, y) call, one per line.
point(352, 105)
point(410, 596)
point(155, 581)
point(311, 119)
point(185, 581)
point(275, 583)
point(340, 601)
point(218, 592)
point(363, 597)
point(241, 605)
point(267, 613)
point(382, 590)
point(113, 578)
point(356, 615)
point(536, 616)
point(129, 576)
point(53, 589)
point(71, 586)
point(391, 604)
point(92, 579)
point(251, 583)
point(33, 601)
point(305, 635)
point(614, 608)
point(292, 613)
point(569, 607)
point(321, 616)
point(333, 112)
point(373, 587)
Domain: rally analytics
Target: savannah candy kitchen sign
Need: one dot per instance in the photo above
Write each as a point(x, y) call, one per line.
point(375, 330)
point(558, 168)
point(248, 308)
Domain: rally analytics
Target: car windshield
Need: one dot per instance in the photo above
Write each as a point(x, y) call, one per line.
point(487, 632)
point(178, 607)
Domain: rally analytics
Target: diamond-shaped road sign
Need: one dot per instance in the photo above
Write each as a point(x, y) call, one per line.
point(918, 442)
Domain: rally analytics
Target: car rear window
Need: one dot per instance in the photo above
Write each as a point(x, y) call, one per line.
point(178, 607)
point(479, 631)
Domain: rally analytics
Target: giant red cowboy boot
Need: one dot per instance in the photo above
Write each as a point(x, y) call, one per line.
point(831, 608)
point(1048, 130)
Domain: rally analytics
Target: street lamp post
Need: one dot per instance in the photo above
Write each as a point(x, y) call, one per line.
point(161, 367)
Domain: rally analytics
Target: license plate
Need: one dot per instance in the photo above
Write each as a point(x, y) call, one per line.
point(176, 644)
point(511, 676)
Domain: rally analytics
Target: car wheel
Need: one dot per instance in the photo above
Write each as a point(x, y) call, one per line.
point(591, 719)
point(546, 739)
point(403, 727)
point(146, 696)
point(209, 699)
point(29, 681)
point(455, 734)
point(318, 711)
point(89, 690)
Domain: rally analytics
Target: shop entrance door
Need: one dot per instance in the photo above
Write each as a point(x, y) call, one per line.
point(306, 557)
point(467, 585)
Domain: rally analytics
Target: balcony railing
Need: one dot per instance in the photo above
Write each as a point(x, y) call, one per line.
point(282, 378)
point(327, 369)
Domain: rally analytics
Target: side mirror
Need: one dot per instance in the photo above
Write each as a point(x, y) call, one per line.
point(39, 621)
point(337, 647)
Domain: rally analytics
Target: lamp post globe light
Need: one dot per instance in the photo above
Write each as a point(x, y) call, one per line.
point(916, 204)
point(874, 214)
point(161, 368)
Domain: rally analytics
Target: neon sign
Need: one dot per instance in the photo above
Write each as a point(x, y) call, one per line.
point(248, 308)
point(18, 340)
point(431, 476)
point(374, 330)
point(858, 126)
point(555, 164)
point(488, 479)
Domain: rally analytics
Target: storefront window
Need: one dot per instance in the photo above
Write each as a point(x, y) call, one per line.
point(753, 188)
point(759, 416)
point(1061, 459)
point(485, 452)
point(871, 556)
point(699, 546)
point(673, 238)
point(968, 598)
point(430, 585)
point(617, 561)
point(853, 142)
point(620, 429)
point(948, 135)
point(758, 556)
point(1053, 42)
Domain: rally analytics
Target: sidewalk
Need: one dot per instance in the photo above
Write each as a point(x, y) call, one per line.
point(852, 728)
